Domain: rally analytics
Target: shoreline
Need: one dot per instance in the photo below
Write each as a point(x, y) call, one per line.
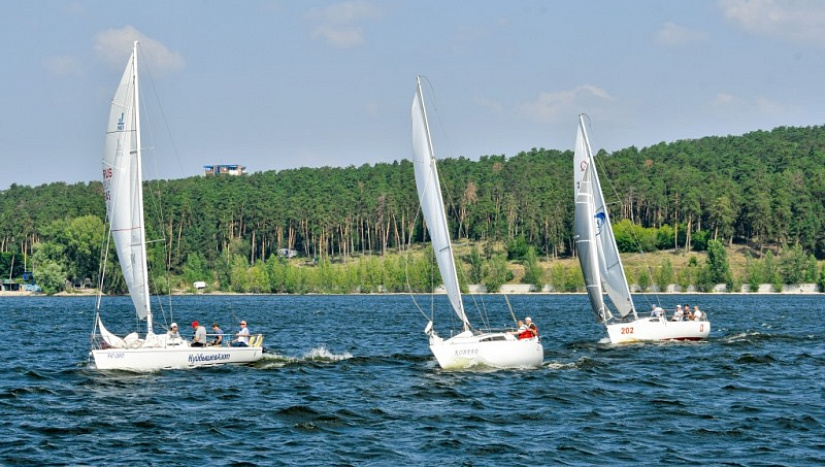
point(379, 294)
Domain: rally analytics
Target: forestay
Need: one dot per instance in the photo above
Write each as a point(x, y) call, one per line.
point(429, 193)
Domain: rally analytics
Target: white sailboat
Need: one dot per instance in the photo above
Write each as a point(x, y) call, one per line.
point(602, 265)
point(470, 347)
point(123, 192)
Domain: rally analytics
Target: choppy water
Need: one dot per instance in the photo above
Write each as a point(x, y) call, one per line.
point(349, 380)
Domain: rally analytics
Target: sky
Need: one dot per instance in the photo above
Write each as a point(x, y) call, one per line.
point(275, 85)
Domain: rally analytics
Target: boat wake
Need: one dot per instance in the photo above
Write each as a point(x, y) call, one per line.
point(316, 355)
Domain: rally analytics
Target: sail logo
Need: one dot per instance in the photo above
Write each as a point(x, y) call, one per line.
point(600, 220)
point(120, 123)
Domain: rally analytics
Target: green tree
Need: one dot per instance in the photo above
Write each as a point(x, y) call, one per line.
point(476, 265)
point(821, 281)
point(533, 273)
point(717, 267)
point(754, 273)
point(496, 273)
point(792, 265)
point(771, 271)
point(643, 280)
point(50, 276)
point(664, 275)
point(196, 268)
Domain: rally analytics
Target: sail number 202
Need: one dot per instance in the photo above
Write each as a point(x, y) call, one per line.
point(628, 330)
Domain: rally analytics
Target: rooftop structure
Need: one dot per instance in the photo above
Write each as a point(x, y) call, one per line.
point(224, 169)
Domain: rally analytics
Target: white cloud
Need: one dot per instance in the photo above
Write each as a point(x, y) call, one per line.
point(339, 24)
point(555, 106)
point(759, 105)
point(63, 65)
point(671, 34)
point(489, 104)
point(115, 45)
point(341, 36)
point(800, 21)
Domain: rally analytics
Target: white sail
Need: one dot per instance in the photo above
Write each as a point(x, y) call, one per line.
point(123, 188)
point(585, 238)
point(593, 228)
point(123, 192)
point(432, 204)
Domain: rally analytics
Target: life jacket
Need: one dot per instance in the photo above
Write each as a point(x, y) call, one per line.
point(534, 328)
point(526, 334)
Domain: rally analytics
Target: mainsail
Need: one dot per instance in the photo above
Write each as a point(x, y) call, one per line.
point(595, 243)
point(123, 189)
point(432, 204)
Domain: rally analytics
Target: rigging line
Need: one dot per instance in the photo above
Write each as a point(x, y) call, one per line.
point(147, 75)
point(450, 205)
point(157, 192)
point(512, 313)
point(101, 272)
point(407, 268)
point(618, 200)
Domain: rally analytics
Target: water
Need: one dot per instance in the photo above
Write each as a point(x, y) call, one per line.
point(349, 380)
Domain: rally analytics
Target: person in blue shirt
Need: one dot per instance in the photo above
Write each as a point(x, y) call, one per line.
point(217, 335)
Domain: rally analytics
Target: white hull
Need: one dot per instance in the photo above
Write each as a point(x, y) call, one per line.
point(655, 329)
point(147, 359)
point(495, 349)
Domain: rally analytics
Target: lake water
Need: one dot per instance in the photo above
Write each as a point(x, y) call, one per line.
point(349, 380)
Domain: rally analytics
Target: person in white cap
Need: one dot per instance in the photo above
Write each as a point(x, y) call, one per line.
point(172, 336)
point(531, 326)
point(678, 315)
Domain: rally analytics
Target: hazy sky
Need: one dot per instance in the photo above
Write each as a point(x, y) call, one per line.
point(284, 84)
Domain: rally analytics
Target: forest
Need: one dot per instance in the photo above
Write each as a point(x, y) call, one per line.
point(764, 190)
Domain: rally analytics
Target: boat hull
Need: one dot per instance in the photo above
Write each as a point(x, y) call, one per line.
point(147, 359)
point(496, 350)
point(655, 329)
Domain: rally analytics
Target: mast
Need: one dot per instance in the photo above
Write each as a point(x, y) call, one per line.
point(138, 187)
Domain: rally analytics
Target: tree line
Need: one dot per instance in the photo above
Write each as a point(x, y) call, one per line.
point(764, 189)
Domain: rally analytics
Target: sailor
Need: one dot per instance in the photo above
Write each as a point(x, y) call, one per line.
point(217, 332)
point(243, 337)
point(522, 332)
point(199, 339)
point(534, 330)
point(172, 336)
point(678, 315)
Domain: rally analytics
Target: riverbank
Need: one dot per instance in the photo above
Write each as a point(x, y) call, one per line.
point(507, 289)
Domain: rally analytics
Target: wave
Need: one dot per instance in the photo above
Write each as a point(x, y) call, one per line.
point(317, 355)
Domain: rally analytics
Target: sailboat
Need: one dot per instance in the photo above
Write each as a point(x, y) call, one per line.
point(498, 349)
point(602, 265)
point(123, 193)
